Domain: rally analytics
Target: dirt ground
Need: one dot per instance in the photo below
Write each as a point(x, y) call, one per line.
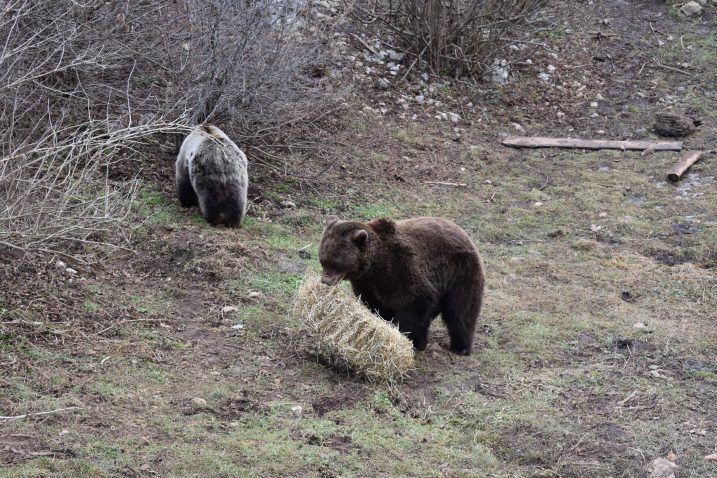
point(597, 345)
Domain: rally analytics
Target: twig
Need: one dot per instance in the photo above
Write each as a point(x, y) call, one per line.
point(366, 45)
point(657, 62)
point(37, 414)
point(444, 183)
point(123, 322)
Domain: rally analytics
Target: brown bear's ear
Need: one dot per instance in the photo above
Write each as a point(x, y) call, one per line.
point(359, 237)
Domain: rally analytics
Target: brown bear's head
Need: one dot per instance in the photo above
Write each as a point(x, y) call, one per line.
point(343, 251)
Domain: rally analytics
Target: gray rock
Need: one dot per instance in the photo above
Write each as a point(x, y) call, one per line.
point(690, 9)
point(384, 83)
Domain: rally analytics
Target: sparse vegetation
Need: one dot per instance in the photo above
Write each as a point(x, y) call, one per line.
point(176, 354)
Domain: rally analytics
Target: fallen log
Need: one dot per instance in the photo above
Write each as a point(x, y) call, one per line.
point(687, 160)
point(542, 142)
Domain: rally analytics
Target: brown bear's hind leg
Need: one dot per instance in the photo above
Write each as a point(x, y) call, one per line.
point(460, 313)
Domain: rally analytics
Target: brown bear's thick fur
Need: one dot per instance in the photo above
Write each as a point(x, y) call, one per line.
point(409, 271)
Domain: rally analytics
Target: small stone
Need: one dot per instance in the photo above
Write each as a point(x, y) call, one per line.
point(297, 410)
point(419, 98)
point(70, 271)
point(671, 456)
point(537, 204)
point(144, 467)
point(560, 114)
point(544, 76)
point(551, 68)
point(600, 131)
point(199, 402)
point(599, 97)
point(395, 56)
point(384, 83)
point(690, 9)
point(518, 128)
point(254, 295)
point(60, 267)
point(229, 309)
point(288, 204)
point(595, 227)
point(639, 326)
point(424, 76)
point(528, 61)
point(712, 457)
point(238, 326)
point(602, 215)
point(64, 432)
point(185, 46)
point(454, 117)
point(594, 104)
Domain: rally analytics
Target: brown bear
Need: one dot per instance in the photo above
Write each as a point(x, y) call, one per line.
point(409, 272)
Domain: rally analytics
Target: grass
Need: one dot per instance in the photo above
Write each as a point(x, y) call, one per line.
point(561, 383)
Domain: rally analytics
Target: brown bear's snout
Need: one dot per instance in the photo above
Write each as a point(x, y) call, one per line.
point(331, 280)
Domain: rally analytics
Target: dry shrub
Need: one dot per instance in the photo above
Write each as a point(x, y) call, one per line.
point(87, 86)
point(453, 37)
point(348, 334)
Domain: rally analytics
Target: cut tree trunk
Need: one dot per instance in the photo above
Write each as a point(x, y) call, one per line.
point(541, 142)
point(687, 160)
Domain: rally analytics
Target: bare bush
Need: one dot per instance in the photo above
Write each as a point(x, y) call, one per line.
point(84, 84)
point(453, 37)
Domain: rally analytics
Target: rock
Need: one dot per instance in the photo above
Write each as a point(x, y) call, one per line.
point(518, 128)
point(297, 410)
point(419, 98)
point(424, 76)
point(229, 309)
point(599, 97)
point(287, 204)
point(454, 117)
point(70, 271)
point(185, 46)
point(255, 295)
point(673, 125)
point(661, 468)
point(712, 457)
point(384, 83)
point(199, 402)
point(499, 71)
point(60, 267)
point(595, 227)
point(395, 56)
point(691, 9)
point(238, 326)
point(551, 69)
point(544, 76)
point(594, 104)
point(639, 326)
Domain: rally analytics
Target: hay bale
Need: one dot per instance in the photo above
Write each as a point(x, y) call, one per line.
point(349, 334)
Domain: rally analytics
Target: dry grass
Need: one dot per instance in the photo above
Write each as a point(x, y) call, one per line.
point(349, 334)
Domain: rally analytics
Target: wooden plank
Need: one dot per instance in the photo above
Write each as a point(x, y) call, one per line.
point(542, 142)
point(687, 160)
